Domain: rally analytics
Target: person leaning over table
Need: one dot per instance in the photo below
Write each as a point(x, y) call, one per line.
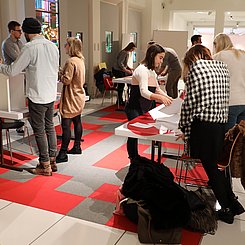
point(235, 60)
point(40, 59)
point(204, 114)
point(144, 91)
point(171, 66)
point(121, 69)
point(72, 98)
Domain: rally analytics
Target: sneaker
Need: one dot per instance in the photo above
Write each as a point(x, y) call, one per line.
point(225, 215)
point(62, 157)
point(236, 207)
point(75, 150)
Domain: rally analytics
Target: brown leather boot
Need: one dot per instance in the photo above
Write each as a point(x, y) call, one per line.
point(43, 168)
point(53, 164)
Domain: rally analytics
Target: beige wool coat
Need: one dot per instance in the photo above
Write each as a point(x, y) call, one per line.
point(73, 95)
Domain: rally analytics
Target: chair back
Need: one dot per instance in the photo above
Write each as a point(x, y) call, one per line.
point(102, 65)
point(109, 85)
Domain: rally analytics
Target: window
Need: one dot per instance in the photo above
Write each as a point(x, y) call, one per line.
point(108, 41)
point(47, 13)
point(133, 38)
point(79, 35)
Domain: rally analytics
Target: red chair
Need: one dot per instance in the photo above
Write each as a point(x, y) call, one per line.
point(109, 86)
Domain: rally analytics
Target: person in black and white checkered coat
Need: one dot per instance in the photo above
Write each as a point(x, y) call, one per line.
point(204, 114)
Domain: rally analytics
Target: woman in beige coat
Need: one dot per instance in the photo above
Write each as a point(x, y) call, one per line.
point(72, 98)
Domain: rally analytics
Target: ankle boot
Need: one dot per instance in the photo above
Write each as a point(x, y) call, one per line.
point(75, 150)
point(43, 168)
point(62, 157)
point(225, 215)
point(236, 207)
point(53, 164)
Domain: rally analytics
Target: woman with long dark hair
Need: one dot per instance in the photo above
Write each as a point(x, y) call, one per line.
point(145, 90)
point(121, 68)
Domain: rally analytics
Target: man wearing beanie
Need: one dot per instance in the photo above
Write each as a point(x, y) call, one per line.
point(40, 59)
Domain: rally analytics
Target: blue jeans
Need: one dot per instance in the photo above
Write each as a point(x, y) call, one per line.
point(236, 114)
point(41, 120)
point(132, 143)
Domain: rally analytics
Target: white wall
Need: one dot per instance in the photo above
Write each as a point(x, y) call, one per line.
point(135, 20)
point(109, 21)
point(77, 21)
point(178, 24)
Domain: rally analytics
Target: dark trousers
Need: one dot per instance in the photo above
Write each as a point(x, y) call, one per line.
point(206, 142)
point(132, 143)
point(41, 120)
point(120, 86)
point(66, 131)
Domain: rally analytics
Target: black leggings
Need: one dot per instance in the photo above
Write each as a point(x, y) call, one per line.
point(66, 131)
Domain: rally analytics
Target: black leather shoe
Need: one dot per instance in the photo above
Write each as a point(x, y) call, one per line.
point(62, 157)
point(236, 207)
point(225, 215)
point(75, 150)
point(20, 131)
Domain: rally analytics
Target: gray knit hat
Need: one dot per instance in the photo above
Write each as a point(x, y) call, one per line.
point(31, 26)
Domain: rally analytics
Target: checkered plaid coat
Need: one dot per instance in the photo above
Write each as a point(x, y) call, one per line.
point(207, 97)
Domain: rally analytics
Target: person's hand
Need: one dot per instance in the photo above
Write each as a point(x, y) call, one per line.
point(129, 72)
point(1, 61)
point(181, 136)
point(166, 100)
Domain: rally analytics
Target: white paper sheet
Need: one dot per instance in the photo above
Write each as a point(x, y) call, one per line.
point(141, 125)
point(174, 108)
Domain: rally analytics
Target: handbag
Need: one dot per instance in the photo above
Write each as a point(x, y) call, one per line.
point(148, 234)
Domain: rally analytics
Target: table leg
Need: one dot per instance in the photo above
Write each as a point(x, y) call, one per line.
point(159, 152)
point(152, 150)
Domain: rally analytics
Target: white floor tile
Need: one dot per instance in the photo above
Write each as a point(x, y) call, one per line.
point(4, 203)
point(241, 198)
point(129, 238)
point(20, 225)
point(227, 234)
point(76, 232)
point(237, 186)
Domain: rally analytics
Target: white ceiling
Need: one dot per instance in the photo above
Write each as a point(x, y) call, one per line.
point(208, 17)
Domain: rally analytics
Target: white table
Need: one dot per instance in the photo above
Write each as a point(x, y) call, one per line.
point(128, 79)
point(152, 133)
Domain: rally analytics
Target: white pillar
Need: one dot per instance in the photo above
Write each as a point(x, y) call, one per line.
point(219, 22)
point(123, 21)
